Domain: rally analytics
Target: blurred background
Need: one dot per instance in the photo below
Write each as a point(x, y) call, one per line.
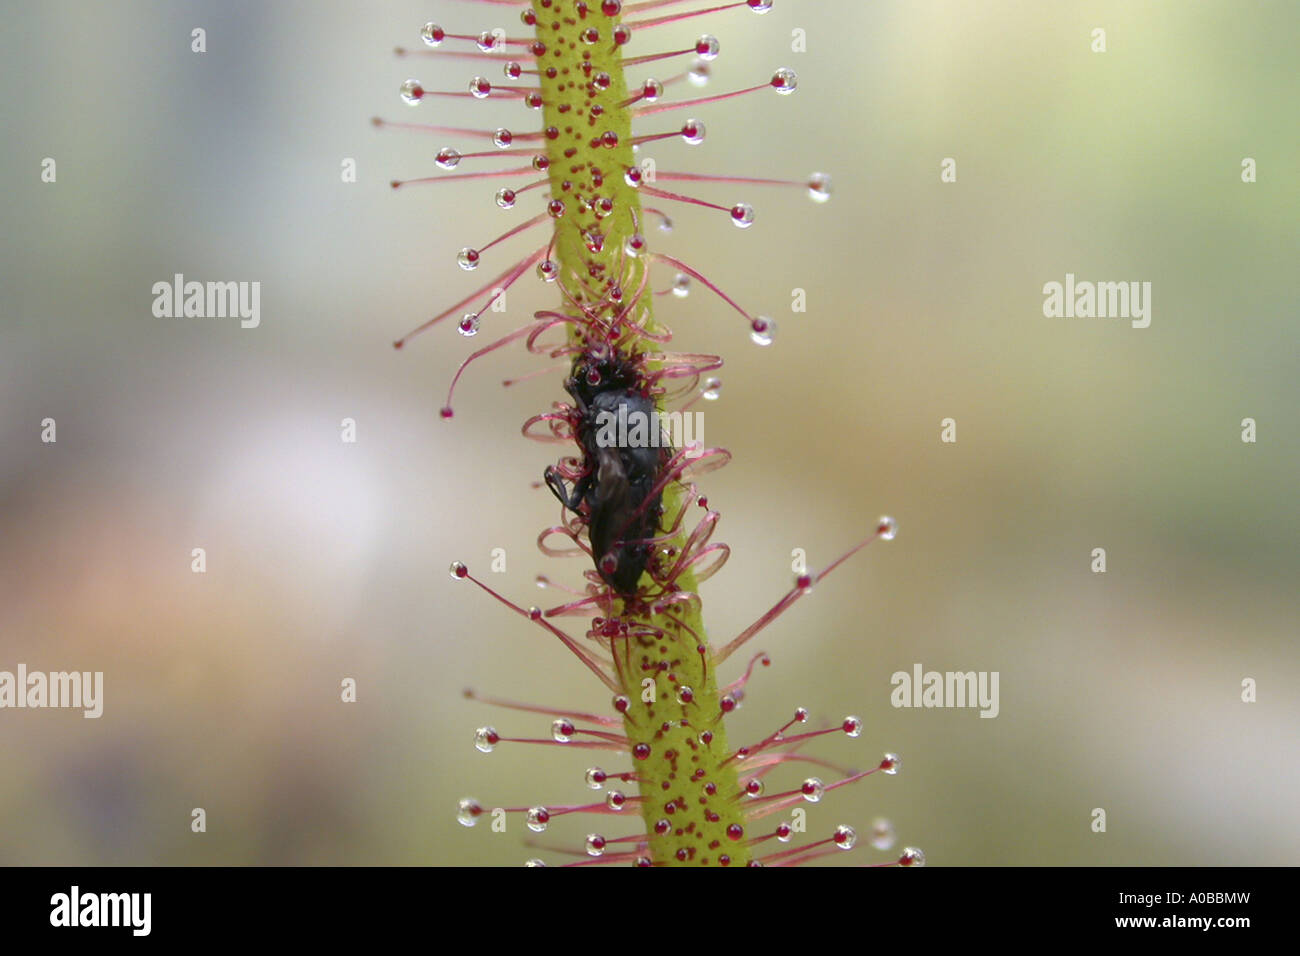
point(328, 560)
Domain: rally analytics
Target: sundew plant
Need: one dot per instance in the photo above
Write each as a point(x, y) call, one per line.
point(597, 89)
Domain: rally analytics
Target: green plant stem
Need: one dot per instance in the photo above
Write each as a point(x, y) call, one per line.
point(684, 780)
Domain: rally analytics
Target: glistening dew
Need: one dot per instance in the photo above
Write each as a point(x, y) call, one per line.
point(633, 512)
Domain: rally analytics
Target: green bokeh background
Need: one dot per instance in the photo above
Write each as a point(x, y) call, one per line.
point(328, 560)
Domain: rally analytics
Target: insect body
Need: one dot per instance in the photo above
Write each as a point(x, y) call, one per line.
point(616, 424)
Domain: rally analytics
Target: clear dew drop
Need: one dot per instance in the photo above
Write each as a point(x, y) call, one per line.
point(852, 726)
point(699, 73)
point(595, 778)
point(635, 245)
point(615, 800)
point(685, 694)
point(505, 198)
point(707, 47)
point(712, 390)
point(447, 158)
point(891, 764)
point(911, 856)
point(651, 90)
point(467, 259)
point(534, 862)
point(846, 838)
point(887, 528)
point(537, 818)
point(457, 570)
point(784, 832)
point(468, 325)
point(693, 132)
point(681, 285)
point(412, 92)
point(762, 330)
point(468, 811)
point(485, 739)
point(502, 138)
point(487, 41)
point(431, 34)
point(819, 187)
point(595, 844)
point(480, 88)
point(760, 6)
point(742, 215)
point(812, 789)
point(547, 270)
point(513, 70)
point(882, 834)
point(785, 81)
point(562, 730)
